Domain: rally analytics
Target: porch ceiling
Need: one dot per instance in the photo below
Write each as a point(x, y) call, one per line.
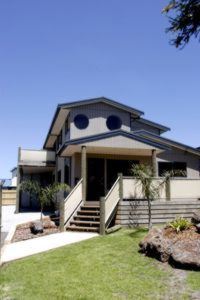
point(70, 150)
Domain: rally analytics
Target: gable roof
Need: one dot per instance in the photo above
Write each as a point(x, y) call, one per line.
point(102, 100)
point(64, 108)
point(114, 133)
point(167, 142)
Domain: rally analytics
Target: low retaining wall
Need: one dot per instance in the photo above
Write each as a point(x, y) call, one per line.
point(8, 197)
point(135, 212)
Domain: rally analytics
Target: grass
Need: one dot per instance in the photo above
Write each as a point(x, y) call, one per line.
point(107, 267)
point(193, 281)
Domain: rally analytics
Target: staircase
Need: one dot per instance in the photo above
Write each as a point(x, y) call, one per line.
point(87, 218)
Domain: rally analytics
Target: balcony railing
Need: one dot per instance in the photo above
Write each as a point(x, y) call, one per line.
point(36, 157)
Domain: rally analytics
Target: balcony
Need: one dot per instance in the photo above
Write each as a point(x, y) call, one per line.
point(41, 158)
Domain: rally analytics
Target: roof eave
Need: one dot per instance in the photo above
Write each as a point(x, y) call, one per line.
point(169, 142)
point(111, 134)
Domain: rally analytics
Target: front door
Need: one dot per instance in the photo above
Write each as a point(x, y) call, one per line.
point(95, 178)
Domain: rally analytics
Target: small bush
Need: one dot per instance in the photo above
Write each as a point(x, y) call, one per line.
point(179, 224)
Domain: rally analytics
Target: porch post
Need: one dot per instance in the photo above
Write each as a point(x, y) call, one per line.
point(62, 211)
point(18, 183)
point(84, 171)
point(102, 216)
point(120, 175)
point(154, 163)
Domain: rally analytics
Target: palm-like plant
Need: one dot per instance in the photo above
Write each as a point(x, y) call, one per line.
point(144, 175)
point(150, 187)
point(45, 195)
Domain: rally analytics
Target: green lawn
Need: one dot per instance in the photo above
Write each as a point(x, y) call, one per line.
point(107, 267)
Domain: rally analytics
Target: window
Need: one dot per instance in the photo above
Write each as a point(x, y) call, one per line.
point(113, 122)
point(67, 129)
point(59, 141)
point(81, 121)
point(67, 170)
point(59, 176)
point(66, 126)
point(172, 166)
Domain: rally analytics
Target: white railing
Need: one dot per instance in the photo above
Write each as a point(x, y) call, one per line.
point(179, 188)
point(132, 188)
point(36, 157)
point(112, 199)
point(183, 188)
point(73, 202)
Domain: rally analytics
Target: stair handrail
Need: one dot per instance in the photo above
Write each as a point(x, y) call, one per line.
point(112, 198)
point(73, 202)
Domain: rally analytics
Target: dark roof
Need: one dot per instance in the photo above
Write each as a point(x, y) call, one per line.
point(154, 124)
point(112, 134)
point(104, 100)
point(166, 141)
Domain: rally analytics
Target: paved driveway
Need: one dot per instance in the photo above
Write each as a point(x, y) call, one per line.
point(10, 219)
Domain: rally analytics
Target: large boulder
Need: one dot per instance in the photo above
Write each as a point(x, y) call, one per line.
point(36, 227)
point(187, 253)
point(196, 217)
point(181, 249)
point(154, 244)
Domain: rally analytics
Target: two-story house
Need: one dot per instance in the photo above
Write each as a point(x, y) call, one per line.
point(93, 141)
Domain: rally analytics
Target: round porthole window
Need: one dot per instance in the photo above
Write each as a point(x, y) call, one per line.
point(81, 121)
point(114, 122)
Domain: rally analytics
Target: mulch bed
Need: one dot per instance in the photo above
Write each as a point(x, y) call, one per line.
point(23, 232)
point(190, 233)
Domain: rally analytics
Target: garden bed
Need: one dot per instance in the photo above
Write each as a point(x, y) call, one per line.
point(23, 231)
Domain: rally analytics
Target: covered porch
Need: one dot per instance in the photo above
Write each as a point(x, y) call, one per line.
point(98, 161)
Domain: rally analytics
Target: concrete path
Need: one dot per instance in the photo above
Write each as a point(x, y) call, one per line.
point(10, 219)
point(37, 245)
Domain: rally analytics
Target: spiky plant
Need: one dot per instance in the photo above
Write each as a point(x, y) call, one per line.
point(45, 195)
point(144, 175)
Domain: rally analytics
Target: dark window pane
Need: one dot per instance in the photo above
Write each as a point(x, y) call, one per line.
point(67, 170)
point(114, 122)
point(59, 176)
point(164, 167)
point(180, 166)
point(81, 121)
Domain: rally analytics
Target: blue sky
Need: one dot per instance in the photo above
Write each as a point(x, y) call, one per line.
point(57, 51)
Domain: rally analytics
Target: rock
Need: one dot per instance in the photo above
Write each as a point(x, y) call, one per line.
point(187, 253)
point(198, 228)
point(196, 217)
point(181, 249)
point(36, 227)
point(155, 245)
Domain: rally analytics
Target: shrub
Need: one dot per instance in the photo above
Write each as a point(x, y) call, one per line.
point(180, 224)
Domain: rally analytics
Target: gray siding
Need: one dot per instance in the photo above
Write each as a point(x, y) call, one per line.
point(181, 156)
point(137, 125)
point(97, 115)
